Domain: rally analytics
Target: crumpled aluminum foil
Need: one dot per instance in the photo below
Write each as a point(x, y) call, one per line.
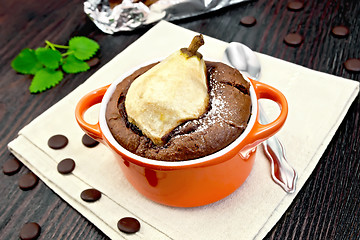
point(130, 15)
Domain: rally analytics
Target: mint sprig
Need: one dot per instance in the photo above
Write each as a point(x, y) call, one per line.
point(46, 63)
point(82, 47)
point(26, 62)
point(48, 57)
point(44, 79)
point(74, 65)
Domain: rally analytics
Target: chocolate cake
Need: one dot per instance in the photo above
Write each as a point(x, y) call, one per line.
point(226, 118)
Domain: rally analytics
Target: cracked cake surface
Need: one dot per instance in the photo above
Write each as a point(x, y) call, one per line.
point(226, 118)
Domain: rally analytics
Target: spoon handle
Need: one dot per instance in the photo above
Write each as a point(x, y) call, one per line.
point(245, 60)
point(281, 171)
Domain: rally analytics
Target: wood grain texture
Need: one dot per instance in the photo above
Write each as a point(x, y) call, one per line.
point(327, 207)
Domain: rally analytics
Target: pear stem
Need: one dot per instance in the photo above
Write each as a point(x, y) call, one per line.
point(195, 44)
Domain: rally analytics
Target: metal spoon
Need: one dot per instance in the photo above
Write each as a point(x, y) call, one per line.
point(244, 59)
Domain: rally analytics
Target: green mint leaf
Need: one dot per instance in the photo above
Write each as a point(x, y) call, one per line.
point(26, 62)
point(49, 57)
point(73, 65)
point(45, 79)
point(83, 47)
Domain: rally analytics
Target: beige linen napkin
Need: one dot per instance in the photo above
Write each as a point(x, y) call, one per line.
point(317, 104)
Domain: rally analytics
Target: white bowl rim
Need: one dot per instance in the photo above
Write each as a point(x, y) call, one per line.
point(109, 137)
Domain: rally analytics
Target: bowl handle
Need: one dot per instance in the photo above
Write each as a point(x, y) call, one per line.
point(261, 132)
point(87, 101)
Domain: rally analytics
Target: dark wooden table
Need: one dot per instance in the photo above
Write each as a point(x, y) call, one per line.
point(328, 206)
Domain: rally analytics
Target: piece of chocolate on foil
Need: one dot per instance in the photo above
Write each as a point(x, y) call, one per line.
point(112, 16)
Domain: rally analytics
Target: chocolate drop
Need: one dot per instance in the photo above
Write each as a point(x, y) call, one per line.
point(293, 39)
point(90, 195)
point(340, 31)
point(248, 21)
point(66, 166)
point(30, 231)
point(58, 141)
point(89, 141)
point(93, 62)
point(352, 65)
point(28, 181)
point(11, 166)
point(295, 6)
point(128, 225)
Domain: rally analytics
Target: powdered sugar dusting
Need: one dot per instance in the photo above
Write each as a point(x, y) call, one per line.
point(218, 112)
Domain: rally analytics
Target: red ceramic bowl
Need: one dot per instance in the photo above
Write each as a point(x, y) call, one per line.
point(194, 182)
